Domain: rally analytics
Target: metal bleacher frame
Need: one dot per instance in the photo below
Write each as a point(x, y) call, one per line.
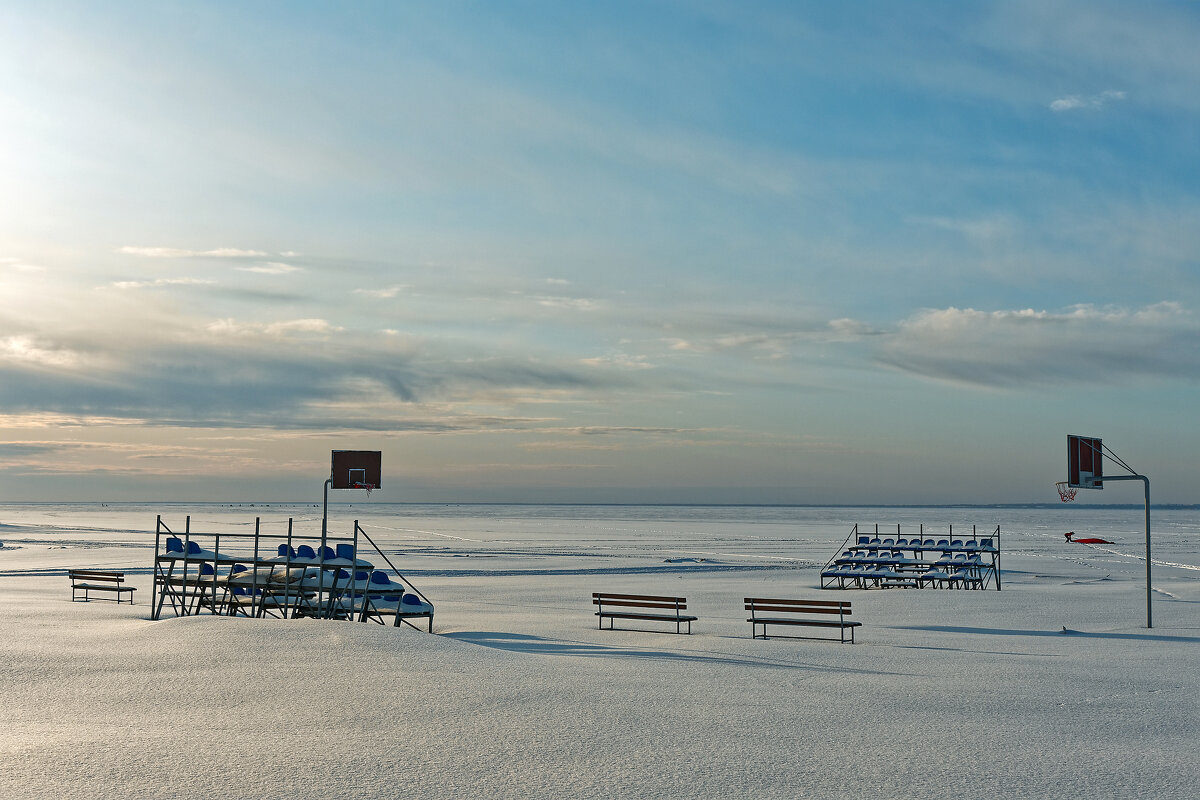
point(193, 582)
point(869, 561)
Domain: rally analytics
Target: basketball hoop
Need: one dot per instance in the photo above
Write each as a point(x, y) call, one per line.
point(370, 487)
point(1065, 492)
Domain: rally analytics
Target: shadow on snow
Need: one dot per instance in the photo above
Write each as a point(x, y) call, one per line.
point(1141, 637)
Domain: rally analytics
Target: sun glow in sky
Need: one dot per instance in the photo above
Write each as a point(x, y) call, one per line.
point(616, 252)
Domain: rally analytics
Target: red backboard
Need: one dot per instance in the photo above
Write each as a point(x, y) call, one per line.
point(355, 469)
point(1085, 462)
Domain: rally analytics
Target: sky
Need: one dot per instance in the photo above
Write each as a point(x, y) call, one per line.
point(764, 252)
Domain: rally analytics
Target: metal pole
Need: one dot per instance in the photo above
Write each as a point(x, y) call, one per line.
point(996, 559)
point(1149, 617)
point(1146, 481)
point(154, 579)
point(325, 513)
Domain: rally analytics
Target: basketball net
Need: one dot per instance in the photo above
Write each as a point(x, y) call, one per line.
point(370, 486)
point(1065, 492)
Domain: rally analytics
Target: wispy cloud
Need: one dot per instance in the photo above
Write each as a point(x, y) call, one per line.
point(275, 381)
point(231, 327)
point(611, 437)
point(570, 303)
point(160, 282)
point(51, 457)
point(271, 268)
point(775, 346)
point(769, 336)
point(385, 293)
point(1014, 348)
point(20, 265)
point(619, 361)
point(32, 351)
point(1075, 102)
point(174, 252)
point(977, 229)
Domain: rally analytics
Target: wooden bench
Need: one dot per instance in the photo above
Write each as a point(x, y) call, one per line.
point(96, 580)
point(646, 601)
point(765, 611)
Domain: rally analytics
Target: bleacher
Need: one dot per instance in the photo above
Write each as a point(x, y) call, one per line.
point(276, 575)
point(868, 561)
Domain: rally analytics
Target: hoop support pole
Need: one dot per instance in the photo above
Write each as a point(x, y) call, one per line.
point(1146, 482)
point(325, 516)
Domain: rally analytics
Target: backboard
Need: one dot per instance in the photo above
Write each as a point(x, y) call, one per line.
point(1085, 462)
point(355, 469)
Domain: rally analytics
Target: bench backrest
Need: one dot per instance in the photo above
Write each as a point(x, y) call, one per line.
point(96, 575)
point(638, 600)
point(775, 606)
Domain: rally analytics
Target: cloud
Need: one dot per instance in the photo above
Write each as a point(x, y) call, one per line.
point(284, 388)
point(271, 268)
point(121, 458)
point(160, 282)
point(1075, 102)
point(54, 419)
point(618, 360)
point(571, 303)
point(980, 230)
point(1082, 344)
point(18, 451)
point(20, 265)
point(846, 330)
point(609, 430)
point(611, 437)
point(384, 293)
point(769, 337)
point(173, 252)
point(306, 374)
point(230, 327)
point(31, 351)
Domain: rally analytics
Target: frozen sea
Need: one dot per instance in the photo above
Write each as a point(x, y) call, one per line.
point(1051, 687)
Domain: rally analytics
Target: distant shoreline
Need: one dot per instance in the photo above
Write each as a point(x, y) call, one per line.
point(272, 503)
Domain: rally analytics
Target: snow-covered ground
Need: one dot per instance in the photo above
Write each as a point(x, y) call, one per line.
point(946, 694)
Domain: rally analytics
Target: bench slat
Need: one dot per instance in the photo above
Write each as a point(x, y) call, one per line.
point(798, 609)
point(762, 600)
point(651, 597)
point(96, 575)
point(630, 615)
point(819, 623)
point(634, 604)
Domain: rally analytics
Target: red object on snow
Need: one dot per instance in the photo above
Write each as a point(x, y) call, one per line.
point(1070, 535)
